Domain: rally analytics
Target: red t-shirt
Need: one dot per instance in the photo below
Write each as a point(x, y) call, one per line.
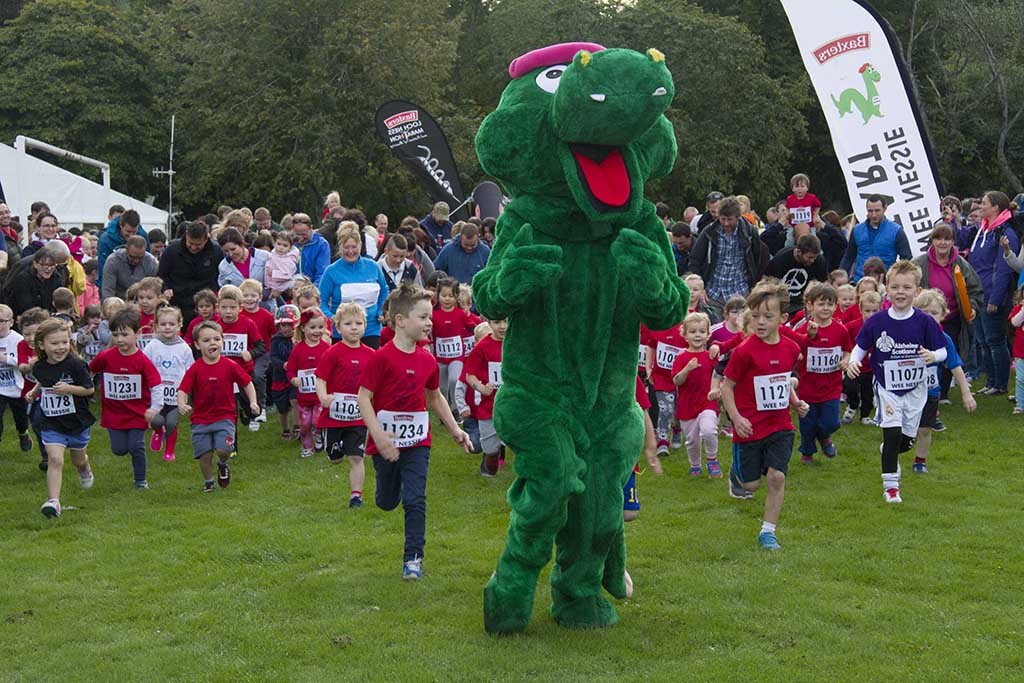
point(802, 210)
point(302, 363)
point(214, 399)
point(641, 395)
point(399, 382)
point(264, 322)
point(761, 372)
point(469, 339)
point(239, 336)
point(820, 377)
point(25, 354)
point(1018, 336)
point(341, 368)
point(484, 363)
point(126, 385)
point(387, 335)
point(692, 394)
point(449, 329)
point(850, 314)
point(852, 330)
point(645, 342)
point(665, 345)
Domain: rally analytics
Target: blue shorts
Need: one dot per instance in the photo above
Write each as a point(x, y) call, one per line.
point(630, 501)
point(217, 436)
point(75, 441)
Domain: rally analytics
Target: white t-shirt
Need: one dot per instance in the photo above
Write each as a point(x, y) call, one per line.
point(171, 361)
point(11, 381)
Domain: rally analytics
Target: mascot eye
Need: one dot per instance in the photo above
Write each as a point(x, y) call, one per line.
point(547, 80)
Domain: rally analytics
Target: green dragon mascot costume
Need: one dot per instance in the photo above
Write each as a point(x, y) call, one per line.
point(579, 262)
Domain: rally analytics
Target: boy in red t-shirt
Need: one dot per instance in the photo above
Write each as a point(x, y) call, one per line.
point(29, 321)
point(252, 294)
point(803, 206)
point(149, 296)
point(696, 411)
point(211, 381)
point(337, 386)
point(242, 342)
point(399, 382)
point(664, 346)
point(206, 307)
point(132, 392)
point(821, 372)
point(483, 375)
point(758, 394)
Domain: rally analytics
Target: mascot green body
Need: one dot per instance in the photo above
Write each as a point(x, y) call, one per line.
point(580, 260)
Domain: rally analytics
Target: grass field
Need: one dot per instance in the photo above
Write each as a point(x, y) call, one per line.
point(276, 579)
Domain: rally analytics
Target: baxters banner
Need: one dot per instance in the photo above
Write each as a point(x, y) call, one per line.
point(416, 140)
point(866, 94)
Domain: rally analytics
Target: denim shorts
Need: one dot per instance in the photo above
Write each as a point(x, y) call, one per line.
point(76, 441)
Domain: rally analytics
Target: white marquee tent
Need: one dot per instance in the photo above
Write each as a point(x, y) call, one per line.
point(73, 199)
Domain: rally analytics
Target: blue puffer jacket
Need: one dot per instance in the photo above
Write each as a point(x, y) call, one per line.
point(110, 240)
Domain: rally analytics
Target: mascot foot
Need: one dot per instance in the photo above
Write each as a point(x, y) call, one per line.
point(506, 610)
point(590, 611)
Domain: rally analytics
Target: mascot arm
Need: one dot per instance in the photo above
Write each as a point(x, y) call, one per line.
point(517, 268)
point(648, 270)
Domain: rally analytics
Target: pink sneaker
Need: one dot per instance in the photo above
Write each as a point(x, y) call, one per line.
point(169, 456)
point(157, 440)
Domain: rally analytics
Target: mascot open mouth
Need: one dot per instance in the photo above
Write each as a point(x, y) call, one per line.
point(602, 171)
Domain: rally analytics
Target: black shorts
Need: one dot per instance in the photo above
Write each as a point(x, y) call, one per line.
point(282, 398)
point(344, 441)
point(751, 460)
point(930, 413)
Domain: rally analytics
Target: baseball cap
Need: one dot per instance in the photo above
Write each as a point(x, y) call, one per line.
point(288, 313)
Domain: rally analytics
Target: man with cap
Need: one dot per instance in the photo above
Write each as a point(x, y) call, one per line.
point(437, 225)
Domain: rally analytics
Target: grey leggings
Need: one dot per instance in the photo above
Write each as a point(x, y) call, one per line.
point(167, 419)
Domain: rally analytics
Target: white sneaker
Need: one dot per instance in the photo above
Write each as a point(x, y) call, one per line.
point(51, 508)
point(892, 496)
point(254, 426)
point(262, 417)
point(848, 416)
point(318, 440)
point(867, 421)
point(306, 453)
point(85, 479)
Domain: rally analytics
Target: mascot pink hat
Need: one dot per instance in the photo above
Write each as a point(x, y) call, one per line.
point(548, 56)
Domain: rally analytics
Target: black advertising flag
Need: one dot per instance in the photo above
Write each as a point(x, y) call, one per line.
point(416, 140)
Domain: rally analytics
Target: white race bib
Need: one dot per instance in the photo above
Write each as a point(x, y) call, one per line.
point(7, 377)
point(363, 293)
point(55, 405)
point(307, 381)
point(903, 374)
point(823, 360)
point(93, 349)
point(771, 392)
point(449, 348)
point(169, 392)
point(122, 387)
point(142, 341)
point(494, 374)
point(800, 214)
point(468, 343)
point(933, 377)
point(235, 344)
point(345, 408)
point(666, 355)
point(642, 357)
point(405, 429)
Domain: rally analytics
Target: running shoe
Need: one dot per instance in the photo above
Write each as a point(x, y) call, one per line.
point(921, 468)
point(262, 417)
point(867, 421)
point(413, 569)
point(696, 471)
point(892, 496)
point(169, 456)
point(767, 540)
point(355, 502)
point(25, 441)
point(662, 449)
point(677, 439)
point(208, 487)
point(737, 491)
point(828, 447)
point(318, 440)
point(254, 426)
point(51, 508)
point(142, 484)
point(306, 453)
point(223, 474)
point(848, 416)
point(807, 459)
point(939, 426)
point(85, 478)
point(157, 440)
point(714, 469)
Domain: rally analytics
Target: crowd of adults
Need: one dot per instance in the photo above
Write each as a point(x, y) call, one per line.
point(351, 259)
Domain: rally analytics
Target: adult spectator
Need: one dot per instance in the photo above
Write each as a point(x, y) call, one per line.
point(114, 211)
point(998, 281)
point(689, 213)
point(797, 266)
point(710, 215)
point(34, 285)
point(380, 222)
point(189, 265)
point(415, 252)
point(126, 266)
point(681, 237)
point(396, 266)
point(778, 233)
point(876, 236)
point(354, 278)
point(240, 260)
point(45, 232)
point(157, 242)
point(728, 256)
point(833, 241)
point(487, 229)
point(437, 226)
point(314, 251)
point(465, 257)
point(8, 237)
point(937, 271)
point(118, 230)
point(662, 211)
point(263, 221)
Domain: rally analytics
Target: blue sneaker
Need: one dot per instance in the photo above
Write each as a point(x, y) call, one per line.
point(828, 448)
point(413, 569)
point(920, 468)
point(696, 471)
point(767, 540)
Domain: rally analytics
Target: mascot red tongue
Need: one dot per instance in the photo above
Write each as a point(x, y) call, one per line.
point(607, 179)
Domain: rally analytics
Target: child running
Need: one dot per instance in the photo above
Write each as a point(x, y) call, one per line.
point(206, 307)
point(243, 343)
point(252, 292)
point(337, 386)
point(87, 337)
point(12, 382)
point(172, 357)
point(27, 356)
point(1017, 322)
point(210, 381)
point(63, 389)
point(933, 302)
point(301, 367)
point(483, 375)
point(149, 295)
point(696, 412)
point(450, 325)
point(758, 395)
point(860, 392)
point(902, 340)
point(399, 382)
point(665, 346)
point(282, 394)
point(132, 394)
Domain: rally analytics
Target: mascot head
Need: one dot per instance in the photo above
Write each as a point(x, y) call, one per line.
point(581, 125)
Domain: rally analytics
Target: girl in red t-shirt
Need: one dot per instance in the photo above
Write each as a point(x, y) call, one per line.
point(309, 348)
point(697, 413)
point(451, 325)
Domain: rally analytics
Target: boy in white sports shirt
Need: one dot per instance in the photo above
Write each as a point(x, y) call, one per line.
point(902, 341)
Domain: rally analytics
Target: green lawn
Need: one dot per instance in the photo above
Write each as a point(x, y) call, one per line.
point(275, 579)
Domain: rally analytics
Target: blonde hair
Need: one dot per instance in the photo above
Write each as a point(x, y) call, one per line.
point(870, 281)
point(150, 284)
point(767, 290)
point(332, 196)
point(230, 293)
point(350, 309)
point(4, 308)
point(237, 219)
point(904, 267)
point(697, 318)
point(111, 305)
point(306, 291)
point(693, 277)
point(348, 230)
point(48, 327)
point(482, 330)
point(932, 297)
point(168, 310)
point(870, 298)
point(465, 299)
point(250, 284)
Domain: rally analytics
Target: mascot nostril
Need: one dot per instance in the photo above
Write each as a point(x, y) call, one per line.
point(579, 261)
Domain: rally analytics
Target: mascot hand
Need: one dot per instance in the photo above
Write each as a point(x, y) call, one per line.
point(641, 264)
point(527, 267)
